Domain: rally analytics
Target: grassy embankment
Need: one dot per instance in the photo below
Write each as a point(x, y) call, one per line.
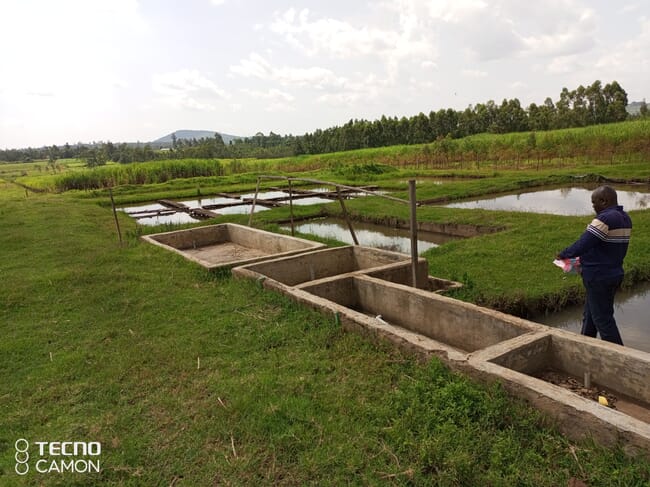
point(190, 379)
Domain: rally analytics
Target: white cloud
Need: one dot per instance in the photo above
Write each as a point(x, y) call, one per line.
point(572, 37)
point(474, 73)
point(565, 65)
point(277, 101)
point(188, 88)
point(256, 66)
point(630, 7)
point(366, 90)
point(630, 56)
point(501, 29)
point(455, 11)
point(272, 94)
point(331, 36)
point(217, 2)
point(339, 39)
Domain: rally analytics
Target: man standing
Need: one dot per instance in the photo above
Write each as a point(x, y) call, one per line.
point(602, 248)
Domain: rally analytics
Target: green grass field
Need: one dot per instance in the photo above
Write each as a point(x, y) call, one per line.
point(187, 378)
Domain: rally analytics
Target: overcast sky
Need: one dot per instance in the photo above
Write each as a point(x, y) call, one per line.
point(129, 70)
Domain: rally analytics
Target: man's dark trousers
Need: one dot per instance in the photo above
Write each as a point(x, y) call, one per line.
point(598, 315)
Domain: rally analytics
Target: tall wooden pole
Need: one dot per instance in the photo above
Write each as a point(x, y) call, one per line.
point(257, 190)
point(291, 206)
point(117, 222)
point(347, 218)
point(414, 233)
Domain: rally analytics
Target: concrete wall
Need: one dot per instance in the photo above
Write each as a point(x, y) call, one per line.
point(321, 264)
point(460, 325)
point(528, 358)
point(270, 245)
point(342, 291)
point(403, 274)
point(269, 242)
point(625, 371)
point(191, 238)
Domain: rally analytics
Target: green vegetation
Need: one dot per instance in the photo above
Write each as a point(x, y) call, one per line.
point(185, 377)
point(485, 153)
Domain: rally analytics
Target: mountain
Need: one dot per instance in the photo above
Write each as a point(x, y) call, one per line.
point(634, 107)
point(166, 141)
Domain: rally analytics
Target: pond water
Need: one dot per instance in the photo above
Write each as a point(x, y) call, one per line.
point(313, 200)
point(370, 234)
point(175, 218)
point(219, 200)
point(631, 310)
point(559, 201)
point(266, 195)
point(152, 207)
point(148, 214)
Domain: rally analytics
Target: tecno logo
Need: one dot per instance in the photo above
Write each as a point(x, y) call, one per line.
point(22, 456)
point(58, 456)
point(69, 448)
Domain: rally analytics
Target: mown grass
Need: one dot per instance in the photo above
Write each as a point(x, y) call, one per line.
point(191, 379)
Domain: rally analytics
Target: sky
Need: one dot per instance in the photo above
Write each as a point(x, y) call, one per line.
point(136, 70)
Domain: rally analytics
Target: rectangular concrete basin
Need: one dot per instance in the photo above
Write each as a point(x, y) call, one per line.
point(523, 366)
point(463, 326)
point(403, 275)
point(229, 244)
point(299, 269)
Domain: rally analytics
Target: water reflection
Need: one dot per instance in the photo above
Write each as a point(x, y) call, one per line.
point(239, 209)
point(632, 308)
point(173, 218)
point(370, 235)
point(152, 208)
point(155, 214)
point(266, 195)
point(560, 201)
point(198, 203)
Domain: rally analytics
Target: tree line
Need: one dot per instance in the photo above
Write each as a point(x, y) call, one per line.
point(583, 106)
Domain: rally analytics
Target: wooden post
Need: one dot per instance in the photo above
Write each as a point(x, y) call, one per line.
point(117, 222)
point(414, 234)
point(257, 190)
point(291, 206)
point(347, 218)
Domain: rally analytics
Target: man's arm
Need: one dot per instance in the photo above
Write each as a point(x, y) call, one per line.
point(596, 232)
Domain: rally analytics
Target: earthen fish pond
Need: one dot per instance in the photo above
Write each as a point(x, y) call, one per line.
point(573, 200)
point(370, 234)
point(191, 211)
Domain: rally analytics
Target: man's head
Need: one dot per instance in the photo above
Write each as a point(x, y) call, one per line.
point(603, 197)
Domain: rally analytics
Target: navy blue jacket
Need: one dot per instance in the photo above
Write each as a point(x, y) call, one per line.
point(602, 247)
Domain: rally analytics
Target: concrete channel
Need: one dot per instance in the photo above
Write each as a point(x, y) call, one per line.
point(369, 291)
point(228, 244)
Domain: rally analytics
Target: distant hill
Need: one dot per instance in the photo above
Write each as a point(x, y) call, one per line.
point(166, 141)
point(634, 107)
